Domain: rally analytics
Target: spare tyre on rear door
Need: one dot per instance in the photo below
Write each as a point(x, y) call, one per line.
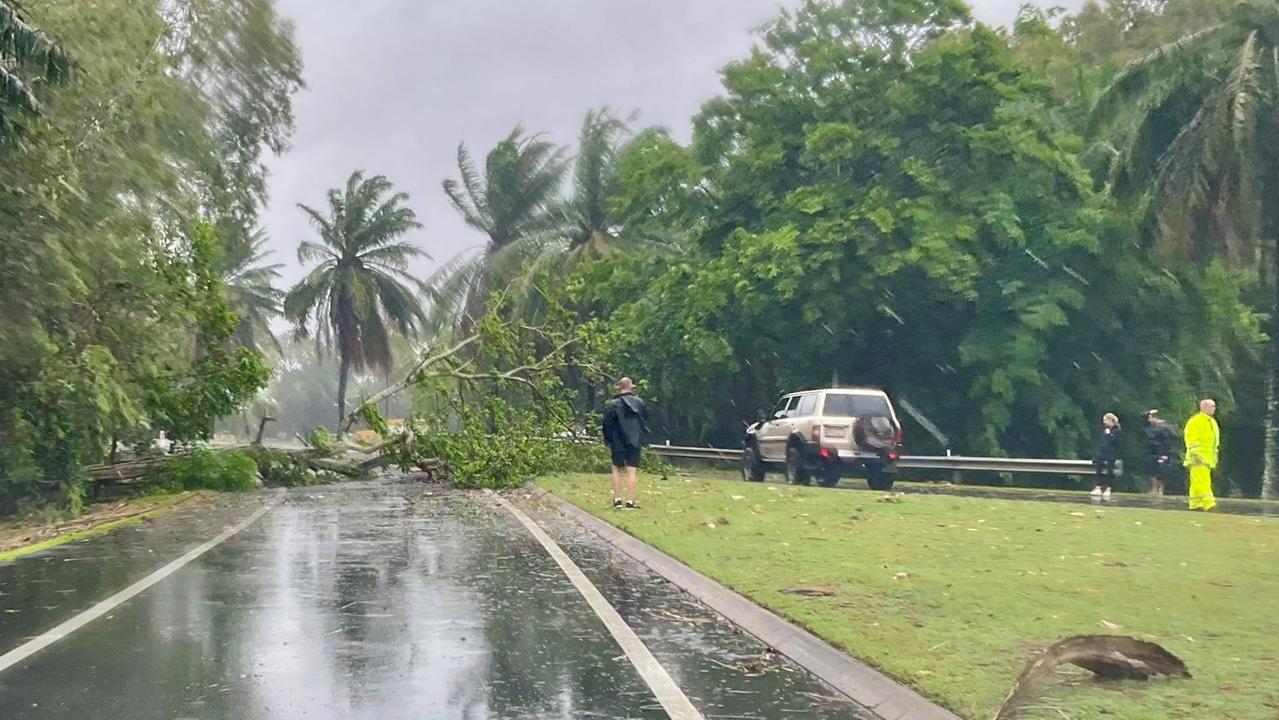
point(877, 434)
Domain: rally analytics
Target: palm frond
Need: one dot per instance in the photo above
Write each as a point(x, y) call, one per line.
point(326, 227)
point(1242, 95)
point(396, 255)
point(400, 306)
point(388, 222)
point(522, 179)
point(594, 168)
point(508, 263)
point(448, 288)
point(15, 93)
point(309, 252)
point(1210, 160)
point(1145, 72)
point(305, 297)
point(29, 48)
point(473, 206)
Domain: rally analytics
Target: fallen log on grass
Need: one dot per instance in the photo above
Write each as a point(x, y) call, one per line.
point(1109, 657)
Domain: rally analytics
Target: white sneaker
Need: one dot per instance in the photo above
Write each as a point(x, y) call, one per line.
point(1096, 492)
point(1106, 494)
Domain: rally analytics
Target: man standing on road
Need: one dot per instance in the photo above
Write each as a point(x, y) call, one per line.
point(1160, 441)
point(1203, 440)
point(625, 424)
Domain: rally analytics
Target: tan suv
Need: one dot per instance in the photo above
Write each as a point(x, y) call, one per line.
point(829, 434)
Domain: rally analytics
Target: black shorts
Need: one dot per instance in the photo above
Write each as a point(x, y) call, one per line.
point(625, 456)
point(1104, 472)
point(1161, 468)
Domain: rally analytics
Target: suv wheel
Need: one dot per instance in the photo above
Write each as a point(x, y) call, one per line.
point(877, 479)
point(752, 466)
point(830, 476)
point(796, 473)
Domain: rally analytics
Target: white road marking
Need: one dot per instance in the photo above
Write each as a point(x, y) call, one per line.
point(36, 644)
point(673, 700)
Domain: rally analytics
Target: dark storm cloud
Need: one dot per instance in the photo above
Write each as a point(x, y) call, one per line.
point(394, 86)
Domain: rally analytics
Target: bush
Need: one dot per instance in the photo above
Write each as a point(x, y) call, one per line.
point(496, 446)
point(321, 439)
point(203, 469)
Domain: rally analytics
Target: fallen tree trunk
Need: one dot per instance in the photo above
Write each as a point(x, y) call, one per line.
point(126, 471)
point(134, 470)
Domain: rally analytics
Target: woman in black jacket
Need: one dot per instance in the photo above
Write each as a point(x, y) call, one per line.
point(1106, 455)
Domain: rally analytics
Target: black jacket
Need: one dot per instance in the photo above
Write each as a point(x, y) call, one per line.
point(1161, 441)
point(1108, 444)
point(625, 421)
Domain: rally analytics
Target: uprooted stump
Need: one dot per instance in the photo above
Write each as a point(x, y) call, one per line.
point(433, 470)
point(1109, 657)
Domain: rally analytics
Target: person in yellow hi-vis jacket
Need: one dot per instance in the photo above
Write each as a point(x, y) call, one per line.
point(1203, 440)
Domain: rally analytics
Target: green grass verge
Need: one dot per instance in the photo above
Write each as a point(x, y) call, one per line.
point(951, 594)
point(159, 505)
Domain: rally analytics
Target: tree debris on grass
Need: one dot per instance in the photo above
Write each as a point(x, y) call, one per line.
point(1109, 657)
point(810, 591)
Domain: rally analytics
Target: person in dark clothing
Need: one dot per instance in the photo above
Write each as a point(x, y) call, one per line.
point(1105, 456)
point(1161, 447)
point(625, 425)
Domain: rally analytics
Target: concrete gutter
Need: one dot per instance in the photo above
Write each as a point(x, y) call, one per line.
point(866, 686)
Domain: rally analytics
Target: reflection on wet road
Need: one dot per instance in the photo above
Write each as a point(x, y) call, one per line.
point(371, 601)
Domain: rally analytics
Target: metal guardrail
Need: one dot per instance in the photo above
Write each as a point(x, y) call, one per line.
point(952, 463)
point(696, 453)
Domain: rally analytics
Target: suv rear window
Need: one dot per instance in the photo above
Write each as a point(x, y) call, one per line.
point(843, 405)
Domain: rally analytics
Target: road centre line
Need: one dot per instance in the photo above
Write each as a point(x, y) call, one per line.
point(664, 688)
point(63, 629)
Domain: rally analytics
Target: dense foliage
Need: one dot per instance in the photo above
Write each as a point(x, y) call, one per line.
point(124, 201)
point(889, 194)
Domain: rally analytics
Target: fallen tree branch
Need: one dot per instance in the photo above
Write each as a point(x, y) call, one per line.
point(413, 376)
point(426, 367)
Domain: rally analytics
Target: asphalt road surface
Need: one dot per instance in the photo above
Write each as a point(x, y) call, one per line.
point(373, 600)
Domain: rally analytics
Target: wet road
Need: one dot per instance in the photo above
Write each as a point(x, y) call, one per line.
point(371, 600)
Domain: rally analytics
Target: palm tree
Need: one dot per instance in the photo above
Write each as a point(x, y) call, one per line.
point(25, 51)
point(251, 288)
point(514, 200)
point(357, 293)
point(591, 224)
point(1197, 122)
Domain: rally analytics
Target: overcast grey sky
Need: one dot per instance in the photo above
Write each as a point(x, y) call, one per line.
point(394, 86)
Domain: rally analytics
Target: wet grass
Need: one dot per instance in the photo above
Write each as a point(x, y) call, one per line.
point(18, 539)
point(951, 594)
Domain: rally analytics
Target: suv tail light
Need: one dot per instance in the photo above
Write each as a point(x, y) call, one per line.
point(897, 437)
point(816, 434)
